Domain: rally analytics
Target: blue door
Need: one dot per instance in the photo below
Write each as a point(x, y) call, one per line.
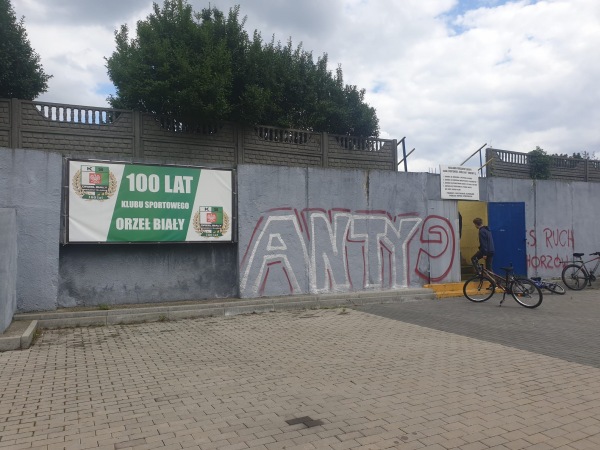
point(507, 224)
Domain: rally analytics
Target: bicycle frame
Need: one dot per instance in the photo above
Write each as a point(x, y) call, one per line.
point(481, 287)
point(576, 274)
point(588, 273)
point(501, 282)
point(555, 288)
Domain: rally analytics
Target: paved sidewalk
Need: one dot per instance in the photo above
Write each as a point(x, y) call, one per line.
point(349, 378)
point(564, 326)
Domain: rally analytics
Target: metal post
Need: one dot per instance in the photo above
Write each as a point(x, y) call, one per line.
point(472, 154)
point(404, 153)
point(407, 155)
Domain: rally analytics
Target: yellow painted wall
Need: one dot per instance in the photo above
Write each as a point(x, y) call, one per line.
point(469, 242)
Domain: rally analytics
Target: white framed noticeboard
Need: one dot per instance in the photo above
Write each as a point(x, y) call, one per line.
point(459, 183)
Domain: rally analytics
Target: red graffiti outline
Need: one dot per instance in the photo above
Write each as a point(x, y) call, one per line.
point(263, 283)
point(439, 241)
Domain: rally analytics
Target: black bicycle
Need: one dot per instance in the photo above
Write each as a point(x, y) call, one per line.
point(576, 275)
point(483, 286)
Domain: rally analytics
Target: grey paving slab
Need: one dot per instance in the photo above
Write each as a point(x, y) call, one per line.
point(317, 379)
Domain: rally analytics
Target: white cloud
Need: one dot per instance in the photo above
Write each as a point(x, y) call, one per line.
point(449, 75)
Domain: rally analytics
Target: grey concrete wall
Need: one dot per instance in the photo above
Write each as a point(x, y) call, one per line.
point(112, 274)
point(561, 218)
point(50, 275)
point(315, 231)
point(30, 184)
point(8, 266)
point(301, 230)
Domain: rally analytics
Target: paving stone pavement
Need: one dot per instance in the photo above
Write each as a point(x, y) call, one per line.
point(366, 381)
point(564, 326)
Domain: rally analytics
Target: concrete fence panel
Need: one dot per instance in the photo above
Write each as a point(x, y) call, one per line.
point(8, 266)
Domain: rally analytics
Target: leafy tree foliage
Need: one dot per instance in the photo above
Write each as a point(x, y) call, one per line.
point(204, 66)
point(539, 164)
point(21, 74)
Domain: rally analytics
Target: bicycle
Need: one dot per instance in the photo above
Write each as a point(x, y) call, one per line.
point(549, 286)
point(483, 286)
point(576, 275)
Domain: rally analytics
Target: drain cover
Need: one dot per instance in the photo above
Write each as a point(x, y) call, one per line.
point(307, 421)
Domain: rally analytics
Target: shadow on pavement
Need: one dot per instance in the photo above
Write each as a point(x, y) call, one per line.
point(563, 326)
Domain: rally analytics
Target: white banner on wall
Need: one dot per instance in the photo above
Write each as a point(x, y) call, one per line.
point(112, 202)
point(459, 183)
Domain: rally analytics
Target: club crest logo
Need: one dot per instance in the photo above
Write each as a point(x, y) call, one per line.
point(94, 183)
point(211, 221)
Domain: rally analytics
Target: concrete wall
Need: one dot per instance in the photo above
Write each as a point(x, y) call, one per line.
point(8, 266)
point(314, 231)
point(30, 183)
point(145, 273)
point(112, 134)
point(561, 218)
point(507, 164)
point(301, 230)
point(50, 275)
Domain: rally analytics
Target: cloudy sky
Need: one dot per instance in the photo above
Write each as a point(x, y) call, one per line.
point(448, 75)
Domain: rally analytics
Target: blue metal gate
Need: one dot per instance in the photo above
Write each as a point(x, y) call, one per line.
point(507, 224)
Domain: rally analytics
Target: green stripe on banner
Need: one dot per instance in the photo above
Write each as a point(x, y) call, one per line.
point(154, 204)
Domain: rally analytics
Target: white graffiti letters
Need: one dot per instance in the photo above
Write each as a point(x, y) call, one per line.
point(348, 251)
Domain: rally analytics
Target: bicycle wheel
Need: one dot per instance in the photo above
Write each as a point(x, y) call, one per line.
point(556, 288)
point(479, 288)
point(526, 292)
point(574, 277)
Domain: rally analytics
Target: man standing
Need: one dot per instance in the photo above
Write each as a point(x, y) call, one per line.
point(486, 244)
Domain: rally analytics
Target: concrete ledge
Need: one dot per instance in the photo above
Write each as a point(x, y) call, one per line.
point(28, 335)
point(8, 343)
point(18, 336)
point(130, 314)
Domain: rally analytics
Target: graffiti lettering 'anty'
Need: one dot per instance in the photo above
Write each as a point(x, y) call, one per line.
point(340, 250)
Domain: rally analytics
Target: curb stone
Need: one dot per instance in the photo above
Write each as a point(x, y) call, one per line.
point(25, 325)
point(18, 336)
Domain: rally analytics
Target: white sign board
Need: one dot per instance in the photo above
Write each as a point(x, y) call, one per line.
point(459, 183)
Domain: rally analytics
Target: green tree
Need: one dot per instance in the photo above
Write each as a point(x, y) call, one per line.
point(204, 66)
point(174, 67)
point(21, 74)
point(539, 164)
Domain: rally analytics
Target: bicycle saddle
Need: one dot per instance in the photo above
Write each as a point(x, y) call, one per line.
point(578, 255)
